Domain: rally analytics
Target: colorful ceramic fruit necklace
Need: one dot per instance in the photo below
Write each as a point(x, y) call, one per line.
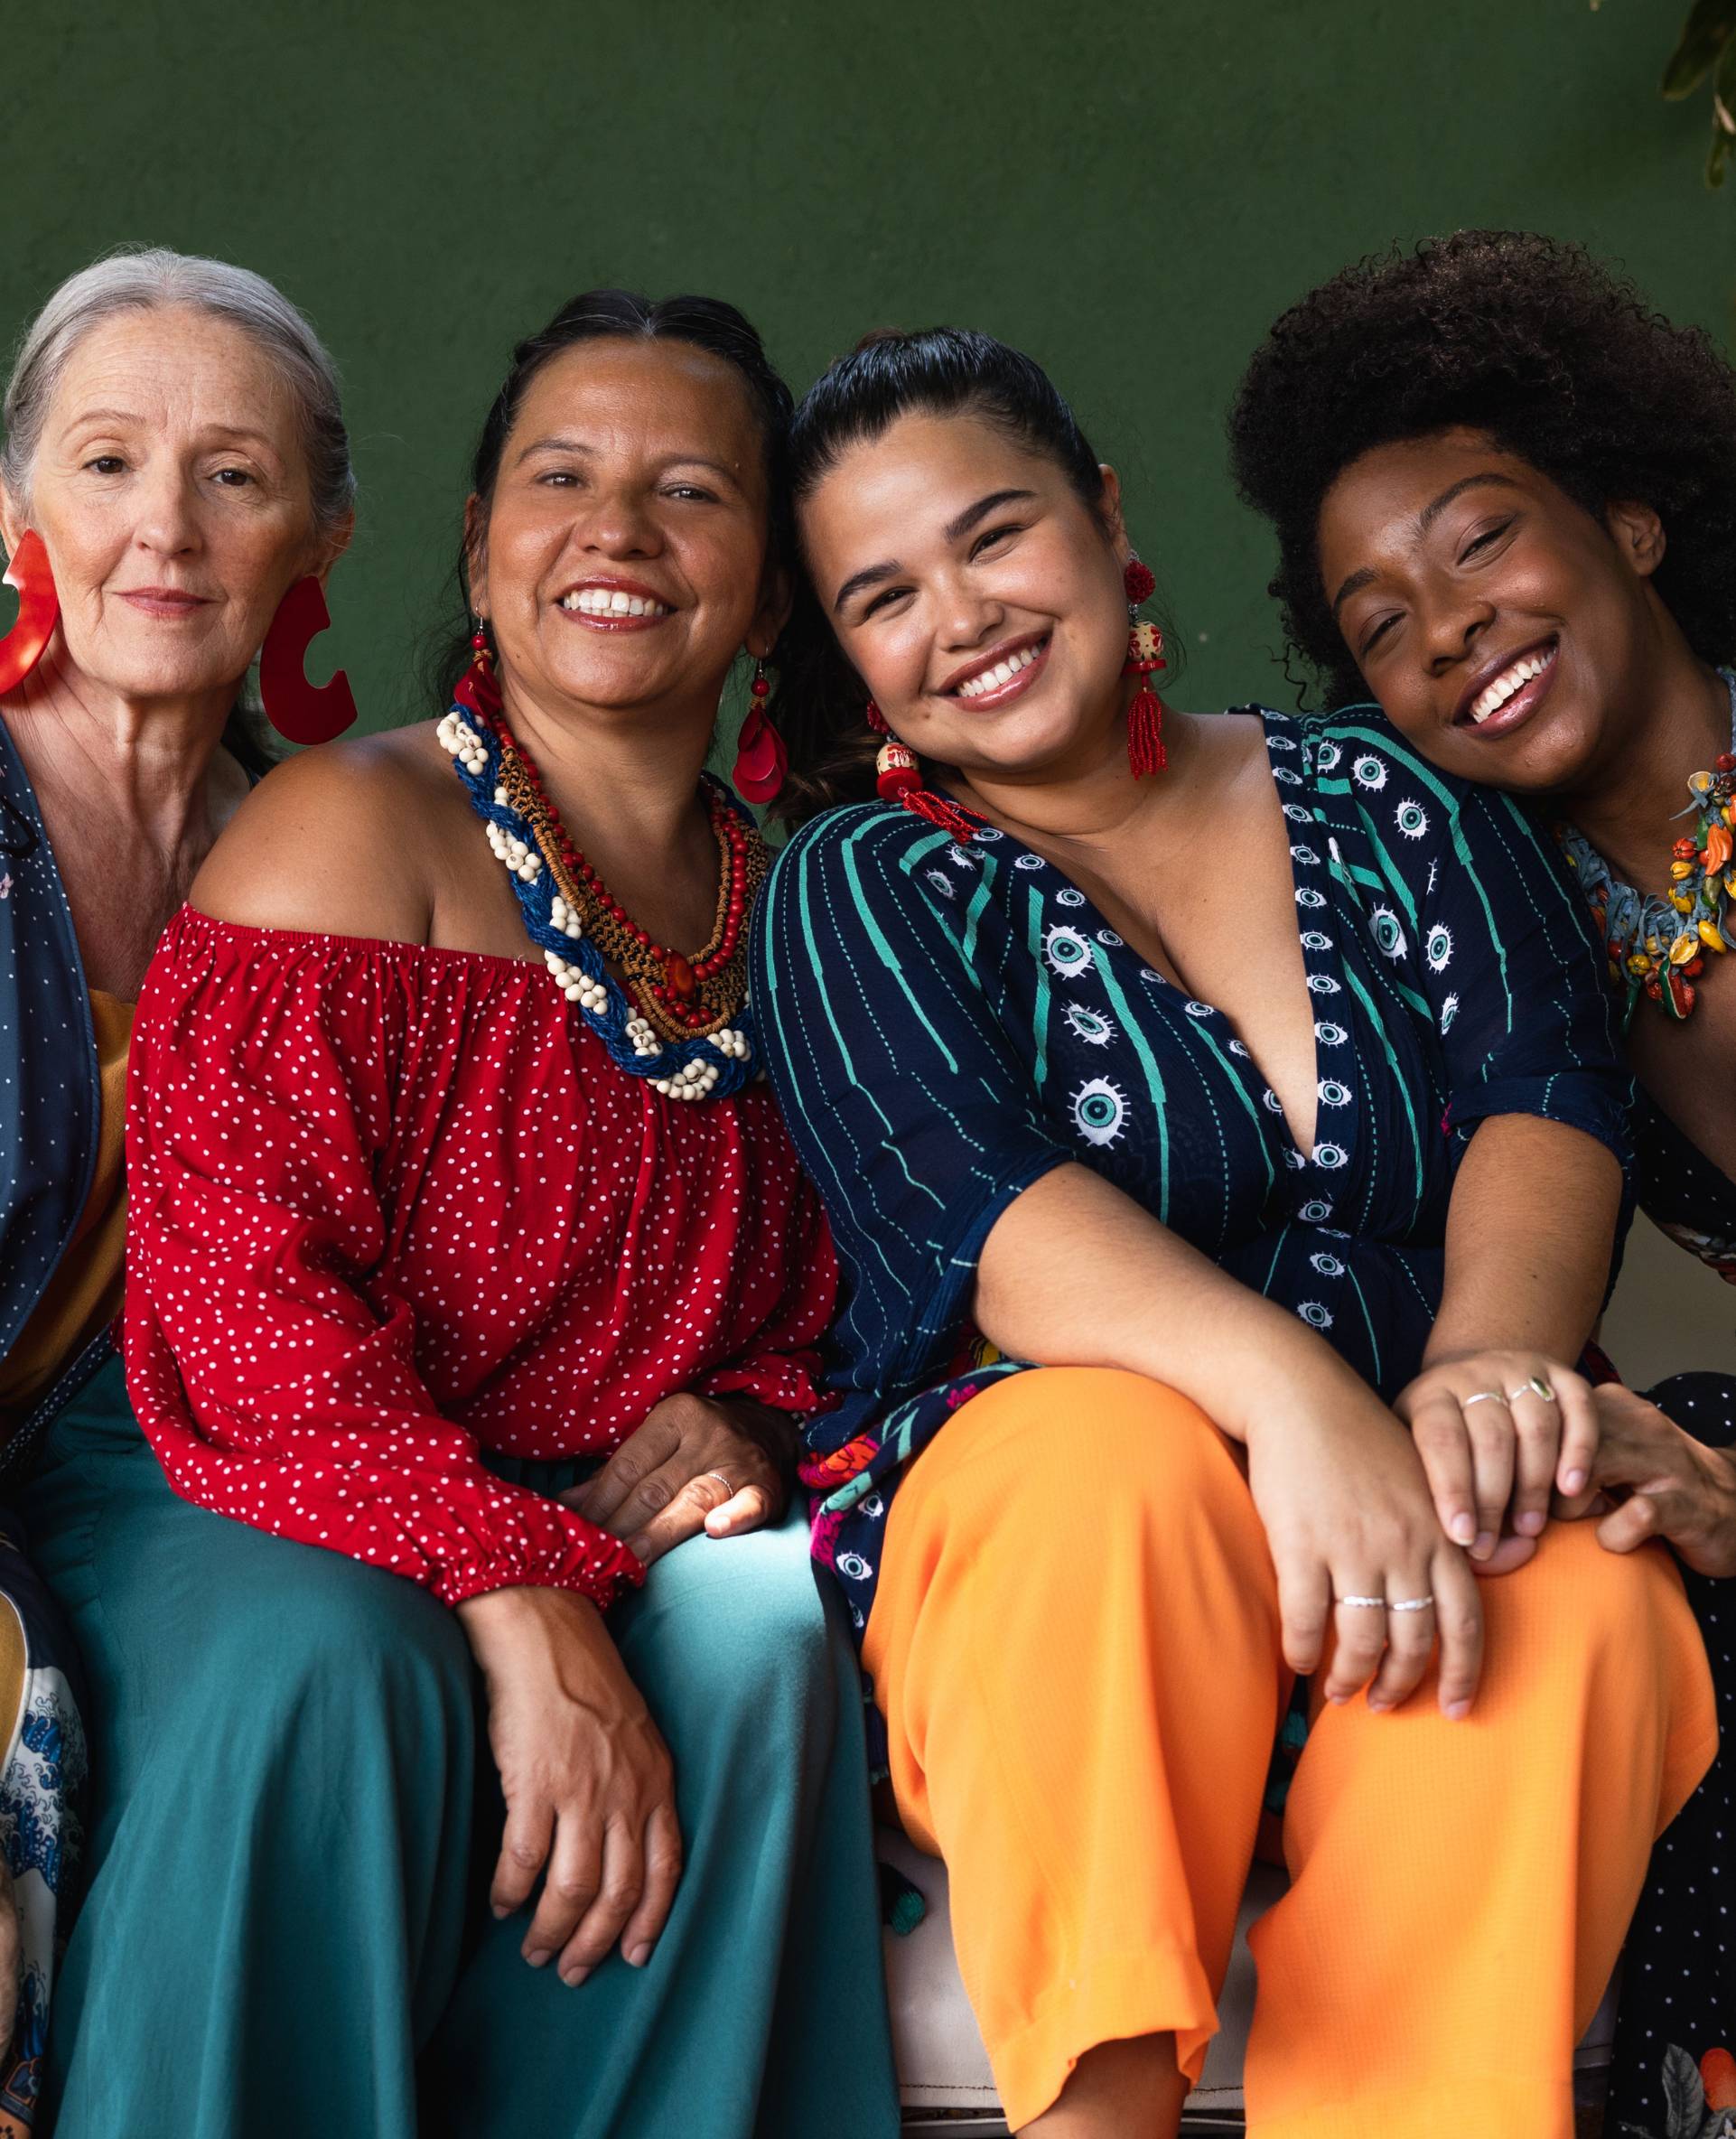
point(1658, 942)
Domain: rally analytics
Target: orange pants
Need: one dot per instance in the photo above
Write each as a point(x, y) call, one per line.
point(1076, 1645)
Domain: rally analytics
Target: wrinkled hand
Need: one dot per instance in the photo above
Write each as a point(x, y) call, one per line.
point(720, 1465)
point(589, 1788)
point(1668, 1484)
point(1492, 1463)
point(1341, 1490)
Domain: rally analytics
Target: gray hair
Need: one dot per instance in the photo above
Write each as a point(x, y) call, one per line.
point(147, 278)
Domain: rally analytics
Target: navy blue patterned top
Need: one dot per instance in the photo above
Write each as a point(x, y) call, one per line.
point(944, 1022)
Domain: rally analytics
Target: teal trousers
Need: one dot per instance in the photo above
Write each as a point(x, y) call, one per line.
point(285, 1930)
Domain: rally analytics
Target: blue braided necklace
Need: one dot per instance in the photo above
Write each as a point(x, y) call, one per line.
point(685, 1026)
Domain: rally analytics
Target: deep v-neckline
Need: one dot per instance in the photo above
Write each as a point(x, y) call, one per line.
point(1311, 873)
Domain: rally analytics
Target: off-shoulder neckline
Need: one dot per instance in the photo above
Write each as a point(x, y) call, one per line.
point(396, 947)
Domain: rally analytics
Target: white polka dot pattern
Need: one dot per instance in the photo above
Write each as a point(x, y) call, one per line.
point(389, 1206)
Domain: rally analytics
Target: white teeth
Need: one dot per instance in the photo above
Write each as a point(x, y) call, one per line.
point(1491, 699)
point(1002, 672)
point(610, 601)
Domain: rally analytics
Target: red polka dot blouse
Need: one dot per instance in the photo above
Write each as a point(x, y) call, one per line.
point(391, 1206)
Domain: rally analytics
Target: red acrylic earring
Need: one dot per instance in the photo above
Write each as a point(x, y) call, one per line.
point(301, 712)
point(761, 759)
point(1146, 751)
point(39, 611)
point(897, 779)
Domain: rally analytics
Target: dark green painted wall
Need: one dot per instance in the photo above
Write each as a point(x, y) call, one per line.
point(1130, 193)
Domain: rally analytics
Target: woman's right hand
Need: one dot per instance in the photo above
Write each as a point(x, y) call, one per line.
point(589, 1787)
point(1347, 1513)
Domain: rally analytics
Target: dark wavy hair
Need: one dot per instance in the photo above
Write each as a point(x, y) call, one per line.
point(1560, 361)
point(623, 315)
point(942, 371)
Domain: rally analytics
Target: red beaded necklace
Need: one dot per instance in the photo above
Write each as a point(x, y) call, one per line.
point(680, 997)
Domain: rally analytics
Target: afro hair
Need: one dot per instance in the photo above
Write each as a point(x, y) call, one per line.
point(1529, 339)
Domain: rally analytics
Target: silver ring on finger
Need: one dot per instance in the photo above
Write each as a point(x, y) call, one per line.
point(1482, 1397)
point(1410, 1603)
point(1536, 1386)
point(723, 1481)
point(1364, 1603)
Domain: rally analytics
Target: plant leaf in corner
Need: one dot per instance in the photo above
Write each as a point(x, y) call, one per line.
point(1710, 26)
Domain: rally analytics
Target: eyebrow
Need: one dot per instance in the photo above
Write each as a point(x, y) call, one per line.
point(128, 415)
point(871, 575)
point(1425, 519)
point(577, 445)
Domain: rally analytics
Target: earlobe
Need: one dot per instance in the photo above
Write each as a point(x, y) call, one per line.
point(1639, 535)
point(1109, 506)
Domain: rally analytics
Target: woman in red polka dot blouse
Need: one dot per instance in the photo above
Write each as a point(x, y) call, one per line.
point(470, 1273)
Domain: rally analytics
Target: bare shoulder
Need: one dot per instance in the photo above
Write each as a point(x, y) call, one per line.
point(343, 840)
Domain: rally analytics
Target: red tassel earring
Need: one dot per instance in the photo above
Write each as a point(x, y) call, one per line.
point(897, 779)
point(761, 759)
point(301, 712)
point(1146, 751)
point(39, 611)
point(477, 689)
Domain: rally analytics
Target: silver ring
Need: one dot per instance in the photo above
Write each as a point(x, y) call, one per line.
point(1411, 1604)
point(1365, 1603)
point(1388, 1603)
point(723, 1481)
point(1536, 1386)
point(1482, 1397)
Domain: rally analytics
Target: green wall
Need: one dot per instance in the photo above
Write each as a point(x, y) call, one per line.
point(1129, 193)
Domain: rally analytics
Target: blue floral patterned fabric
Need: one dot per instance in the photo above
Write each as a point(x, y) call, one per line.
point(946, 1022)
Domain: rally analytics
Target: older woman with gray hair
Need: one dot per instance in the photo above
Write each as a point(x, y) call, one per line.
point(175, 483)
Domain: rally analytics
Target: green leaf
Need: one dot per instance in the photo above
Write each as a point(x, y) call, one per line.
point(1718, 156)
point(1685, 2095)
point(1710, 26)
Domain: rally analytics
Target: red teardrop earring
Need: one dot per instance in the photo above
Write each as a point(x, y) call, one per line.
point(1146, 751)
point(762, 760)
point(39, 611)
point(898, 779)
point(301, 712)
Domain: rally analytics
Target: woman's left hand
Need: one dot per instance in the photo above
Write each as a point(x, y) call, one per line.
point(1494, 1446)
point(722, 1466)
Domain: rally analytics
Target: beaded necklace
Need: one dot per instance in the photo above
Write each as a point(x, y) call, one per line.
point(672, 1007)
point(1657, 942)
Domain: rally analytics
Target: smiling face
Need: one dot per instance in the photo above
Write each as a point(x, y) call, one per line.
point(978, 598)
point(622, 560)
point(1503, 628)
point(170, 490)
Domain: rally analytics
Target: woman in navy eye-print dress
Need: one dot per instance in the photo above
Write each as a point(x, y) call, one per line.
point(1446, 957)
point(1262, 1108)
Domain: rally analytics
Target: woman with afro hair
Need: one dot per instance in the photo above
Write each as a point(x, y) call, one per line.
point(1504, 490)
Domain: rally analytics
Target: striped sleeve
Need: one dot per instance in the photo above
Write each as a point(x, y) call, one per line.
point(907, 1101)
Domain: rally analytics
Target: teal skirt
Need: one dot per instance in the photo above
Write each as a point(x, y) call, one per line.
point(294, 1816)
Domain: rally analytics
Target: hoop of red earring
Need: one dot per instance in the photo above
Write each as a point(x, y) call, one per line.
point(1146, 751)
point(761, 757)
point(39, 611)
point(300, 711)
